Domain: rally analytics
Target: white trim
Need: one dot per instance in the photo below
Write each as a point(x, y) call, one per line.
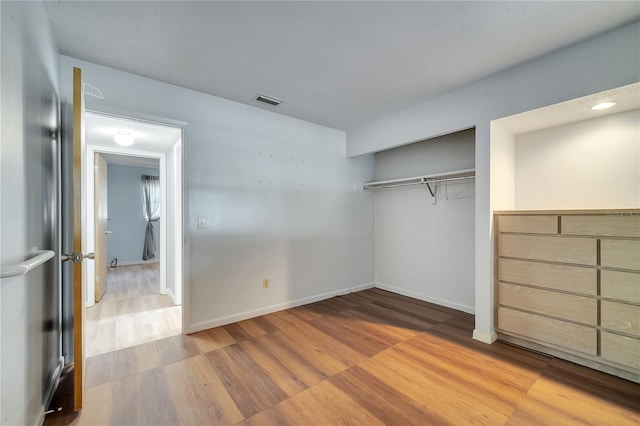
point(177, 218)
point(424, 297)
point(137, 116)
point(89, 229)
point(135, 262)
point(169, 293)
point(185, 244)
point(163, 224)
point(362, 287)
point(217, 322)
point(483, 337)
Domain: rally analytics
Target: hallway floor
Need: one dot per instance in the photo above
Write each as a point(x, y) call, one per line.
point(131, 312)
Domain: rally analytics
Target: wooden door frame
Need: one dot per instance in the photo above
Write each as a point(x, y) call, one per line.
point(79, 242)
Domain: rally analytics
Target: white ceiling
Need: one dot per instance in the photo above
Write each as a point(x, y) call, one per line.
point(340, 63)
point(149, 138)
point(627, 98)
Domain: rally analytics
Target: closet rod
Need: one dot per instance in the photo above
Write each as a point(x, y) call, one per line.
point(421, 180)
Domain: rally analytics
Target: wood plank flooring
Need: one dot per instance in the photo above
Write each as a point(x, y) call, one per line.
point(131, 312)
point(368, 358)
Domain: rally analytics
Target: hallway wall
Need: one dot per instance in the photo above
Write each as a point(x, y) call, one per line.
point(126, 221)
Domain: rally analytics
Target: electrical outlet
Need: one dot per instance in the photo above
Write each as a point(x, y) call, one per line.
point(265, 283)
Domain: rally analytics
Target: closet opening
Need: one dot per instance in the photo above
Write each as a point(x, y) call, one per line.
point(424, 200)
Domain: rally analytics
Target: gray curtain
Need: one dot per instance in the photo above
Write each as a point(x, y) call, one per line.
point(151, 199)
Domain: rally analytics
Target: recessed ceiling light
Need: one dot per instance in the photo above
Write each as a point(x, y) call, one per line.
point(603, 105)
point(123, 137)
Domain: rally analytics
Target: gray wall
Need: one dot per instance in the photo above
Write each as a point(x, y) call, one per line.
point(127, 225)
point(29, 304)
point(590, 164)
point(277, 192)
point(426, 250)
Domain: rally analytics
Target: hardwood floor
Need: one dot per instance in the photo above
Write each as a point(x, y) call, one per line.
point(368, 358)
point(131, 312)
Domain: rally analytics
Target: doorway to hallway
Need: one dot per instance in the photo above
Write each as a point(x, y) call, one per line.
point(134, 292)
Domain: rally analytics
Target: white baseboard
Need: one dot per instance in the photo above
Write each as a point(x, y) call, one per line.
point(217, 322)
point(169, 293)
point(136, 262)
point(424, 297)
point(362, 287)
point(483, 337)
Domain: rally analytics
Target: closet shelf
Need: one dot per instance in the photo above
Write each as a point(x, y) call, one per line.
point(422, 180)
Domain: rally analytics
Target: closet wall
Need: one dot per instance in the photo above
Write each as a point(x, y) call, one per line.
point(424, 246)
point(590, 164)
point(127, 224)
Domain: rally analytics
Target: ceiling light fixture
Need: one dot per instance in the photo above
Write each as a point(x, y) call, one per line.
point(123, 137)
point(603, 105)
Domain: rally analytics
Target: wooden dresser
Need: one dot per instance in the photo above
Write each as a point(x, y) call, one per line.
point(568, 284)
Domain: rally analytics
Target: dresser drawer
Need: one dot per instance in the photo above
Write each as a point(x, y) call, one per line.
point(529, 224)
point(620, 285)
point(556, 277)
point(606, 226)
point(624, 254)
point(565, 306)
point(556, 249)
point(556, 332)
point(621, 349)
point(621, 317)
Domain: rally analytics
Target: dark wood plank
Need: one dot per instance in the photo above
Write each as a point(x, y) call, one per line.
point(155, 408)
point(237, 332)
point(490, 376)
point(283, 319)
point(323, 404)
point(384, 401)
point(176, 348)
point(569, 393)
point(110, 366)
point(306, 313)
point(429, 389)
point(566, 394)
point(366, 343)
point(288, 371)
point(251, 389)
point(393, 317)
point(199, 393)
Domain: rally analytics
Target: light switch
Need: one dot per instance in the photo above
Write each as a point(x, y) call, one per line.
point(202, 222)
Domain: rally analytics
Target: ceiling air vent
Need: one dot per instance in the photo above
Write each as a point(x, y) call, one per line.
point(268, 100)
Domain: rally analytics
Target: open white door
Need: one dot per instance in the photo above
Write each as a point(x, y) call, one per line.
point(101, 225)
